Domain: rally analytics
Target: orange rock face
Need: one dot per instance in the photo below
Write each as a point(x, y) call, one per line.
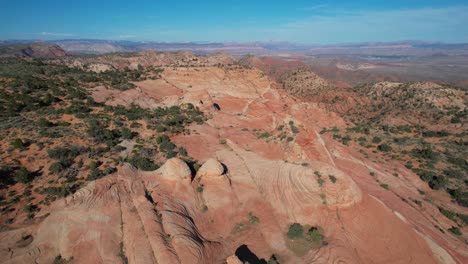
point(265, 167)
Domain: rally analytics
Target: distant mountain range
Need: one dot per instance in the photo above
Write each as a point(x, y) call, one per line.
point(416, 48)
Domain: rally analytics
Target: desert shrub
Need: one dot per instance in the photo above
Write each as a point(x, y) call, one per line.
point(438, 182)
point(425, 175)
point(31, 208)
point(458, 161)
point(62, 191)
point(76, 108)
point(315, 235)
point(384, 185)
point(294, 129)
point(142, 163)
point(98, 130)
point(264, 135)
point(60, 260)
point(460, 196)
point(23, 175)
point(182, 151)
point(345, 140)
point(166, 146)
point(376, 140)
point(94, 164)
point(455, 174)
point(57, 167)
point(18, 143)
point(455, 230)
point(135, 125)
point(320, 182)
point(425, 153)
point(442, 133)
point(126, 133)
point(384, 147)
point(362, 139)
point(332, 178)
point(6, 176)
point(42, 122)
point(63, 153)
point(296, 230)
point(464, 218)
point(97, 174)
point(253, 219)
point(109, 170)
point(449, 214)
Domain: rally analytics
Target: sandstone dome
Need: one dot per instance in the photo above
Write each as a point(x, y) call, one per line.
point(175, 167)
point(211, 168)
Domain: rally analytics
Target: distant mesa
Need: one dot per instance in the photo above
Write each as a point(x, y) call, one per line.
point(32, 50)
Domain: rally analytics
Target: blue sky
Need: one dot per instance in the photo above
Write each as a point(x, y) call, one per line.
point(314, 22)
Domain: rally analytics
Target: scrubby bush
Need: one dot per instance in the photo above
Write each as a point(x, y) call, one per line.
point(57, 167)
point(23, 175)
point(425, 153)
point(315, 235)
point(42, 122)
point(460, 196)
point(455, 174)
point(253, 219)
point(142, 163)
point(126, 133)
point(200, 188)
point(6, 176)
point(455, 230)
point(296, 230)
point(18, 143)
point(438, 182)
point(384, 147)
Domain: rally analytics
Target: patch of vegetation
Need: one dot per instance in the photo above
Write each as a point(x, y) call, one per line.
point(455, 230)
point(142, 162)
point(384, 185)
point(122, 254)
point(384, 147)
point(253, 219)
point(23, 175)
point(200, 188)
point(296, 230)
point(303, 238)
point(315, 235)
point(60, 260)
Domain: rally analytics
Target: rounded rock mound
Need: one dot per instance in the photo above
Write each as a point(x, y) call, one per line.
point(211, 168)
point(175, 167)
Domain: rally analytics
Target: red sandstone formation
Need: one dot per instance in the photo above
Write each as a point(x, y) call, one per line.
point(261, 153)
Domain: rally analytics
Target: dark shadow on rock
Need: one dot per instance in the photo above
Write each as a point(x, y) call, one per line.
point(225, 168)
point(246, 256)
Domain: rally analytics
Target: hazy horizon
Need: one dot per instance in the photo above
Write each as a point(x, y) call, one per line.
point(305, 22)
